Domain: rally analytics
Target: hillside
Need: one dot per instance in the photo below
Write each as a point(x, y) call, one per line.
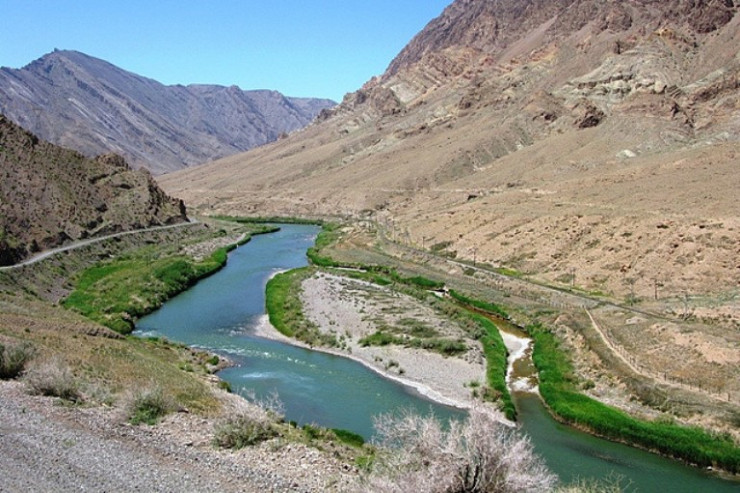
point(584, 143)
point(87, 104)
point(50, 196)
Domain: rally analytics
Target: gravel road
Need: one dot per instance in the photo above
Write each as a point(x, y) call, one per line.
point(46, 446)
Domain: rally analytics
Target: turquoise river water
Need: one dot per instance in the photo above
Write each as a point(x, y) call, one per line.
point(221, 314)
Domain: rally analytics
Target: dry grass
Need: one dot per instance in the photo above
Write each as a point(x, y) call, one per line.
point(102, 362)
point(54, 378)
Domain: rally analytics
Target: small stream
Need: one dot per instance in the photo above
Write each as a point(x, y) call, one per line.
point(573, 454)
point(223, 312)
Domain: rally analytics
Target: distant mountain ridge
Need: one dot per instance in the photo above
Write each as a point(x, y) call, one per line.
point(50, 196)
point(87, 104)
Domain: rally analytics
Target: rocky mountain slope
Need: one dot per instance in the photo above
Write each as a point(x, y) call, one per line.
point(50, 196)
point(587, 143)
point(87, 104)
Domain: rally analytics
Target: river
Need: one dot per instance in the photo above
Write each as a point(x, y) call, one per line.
point(223, 312)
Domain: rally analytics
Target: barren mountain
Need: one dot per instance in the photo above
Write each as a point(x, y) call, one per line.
point(583, 142)
point(87, 104)
point(50, 196)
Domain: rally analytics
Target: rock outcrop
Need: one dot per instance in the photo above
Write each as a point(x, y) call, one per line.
point(50, 196)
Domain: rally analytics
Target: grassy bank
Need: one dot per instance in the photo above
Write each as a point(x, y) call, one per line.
point(101, 366)
point(117, 292)
point(283, 303)
point(558, 389)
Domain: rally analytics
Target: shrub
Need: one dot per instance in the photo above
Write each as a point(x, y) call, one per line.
point(244, 430)
point(148, 406)
point(13, 359)
point(55, 379)
point(482, 455)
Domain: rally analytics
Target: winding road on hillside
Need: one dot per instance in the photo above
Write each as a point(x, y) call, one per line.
point(79, 244)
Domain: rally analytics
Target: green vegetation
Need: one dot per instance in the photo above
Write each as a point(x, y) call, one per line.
point(446, 347)
point(328, 235)
point(349, 438)
point(496, 365)
point(267, 220)
point(478, 304)
point(282, 299)
point(558, 386)
point(505, 271)
point(117, 292)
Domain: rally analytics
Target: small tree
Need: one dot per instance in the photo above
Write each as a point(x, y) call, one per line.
point(476, 456)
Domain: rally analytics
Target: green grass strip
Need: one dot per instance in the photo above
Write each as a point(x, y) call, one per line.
point(496, 364)
point(285, 310)
point(480, 305)
point(558, 388)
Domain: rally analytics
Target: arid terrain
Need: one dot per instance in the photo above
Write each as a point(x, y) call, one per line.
point(597, 149)
point(573, 162)
point(587, 150)
point(51, 196)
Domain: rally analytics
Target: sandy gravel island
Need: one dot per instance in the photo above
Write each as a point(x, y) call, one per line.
point(354, 309)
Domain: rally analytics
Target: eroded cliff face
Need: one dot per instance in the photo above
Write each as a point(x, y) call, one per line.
point(50, 196)
point(585, 139)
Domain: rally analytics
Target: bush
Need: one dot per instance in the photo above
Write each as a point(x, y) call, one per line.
point(55, 379)
point(148, 406)
point(480, 455)
point(13, 359)
point(244, 430)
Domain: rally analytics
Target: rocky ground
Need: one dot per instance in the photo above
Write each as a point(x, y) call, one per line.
point(47, 446)
point(355, 309)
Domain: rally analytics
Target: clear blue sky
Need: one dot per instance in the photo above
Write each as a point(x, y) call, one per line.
point(320, 48)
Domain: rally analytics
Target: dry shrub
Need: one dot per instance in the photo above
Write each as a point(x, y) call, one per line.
point(54, 378)
point(244, 430)
point(479, 455)
point(252, 423)
point(148, 406)
point(13, 359)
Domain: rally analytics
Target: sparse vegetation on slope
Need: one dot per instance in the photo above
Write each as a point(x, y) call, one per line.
point(13, 359)
point(50, 196)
